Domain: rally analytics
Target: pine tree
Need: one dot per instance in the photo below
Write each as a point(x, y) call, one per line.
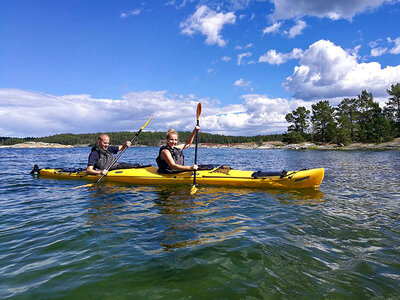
point(346, 117)
point(299, 120)
point(324, 126)
point(392, 108)
point(374, 127)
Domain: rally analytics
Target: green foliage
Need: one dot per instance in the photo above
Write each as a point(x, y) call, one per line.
point(392, 109)
point(6, 141)
point(365, 105)
point(299, 120)
point(346, 117)
point(353, 120)
point(294, 137)
point(343, 136)
point(379, 129)
point(324, 126)
point(145, 138)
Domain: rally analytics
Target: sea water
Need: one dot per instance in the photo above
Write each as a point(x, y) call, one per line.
point(119, 241)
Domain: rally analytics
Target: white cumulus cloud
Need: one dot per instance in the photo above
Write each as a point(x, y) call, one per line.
point(276, 58)
point(297, 29)
point(325, 70)
point(333, 9)
point(396, 47)
point(257, 114)
point(243, 84)
point(388, 45)
point(273, 28)
point(25, 113)
point(35, 114)
point(378, 51)
point(208, 23)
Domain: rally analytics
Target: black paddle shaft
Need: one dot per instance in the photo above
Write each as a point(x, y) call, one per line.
point(195, 153)
point(119, 155)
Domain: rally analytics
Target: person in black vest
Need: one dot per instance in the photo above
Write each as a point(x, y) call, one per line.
point(170, 157)
point(102, 156)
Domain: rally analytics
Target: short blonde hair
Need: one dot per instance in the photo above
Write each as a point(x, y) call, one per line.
point(171, 132)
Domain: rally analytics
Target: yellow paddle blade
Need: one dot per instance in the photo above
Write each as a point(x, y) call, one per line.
point(82, 186)
point(146, 123)
point(193, 190)
point(198, 112)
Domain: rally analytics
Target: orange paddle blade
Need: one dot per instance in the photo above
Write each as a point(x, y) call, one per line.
point(198, 112)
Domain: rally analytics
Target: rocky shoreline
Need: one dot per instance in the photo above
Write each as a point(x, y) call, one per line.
point(38, 145)
point(392, 145)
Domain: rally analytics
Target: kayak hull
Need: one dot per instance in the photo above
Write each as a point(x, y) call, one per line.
point(310, 178)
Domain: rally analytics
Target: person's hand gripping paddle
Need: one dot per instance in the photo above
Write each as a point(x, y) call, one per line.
point(119, 155)
point(193, 190)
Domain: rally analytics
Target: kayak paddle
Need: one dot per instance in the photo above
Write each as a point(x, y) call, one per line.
point(119, 155)
point(193, 190)
point(122, 152)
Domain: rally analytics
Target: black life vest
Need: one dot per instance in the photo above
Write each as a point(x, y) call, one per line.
point(177, 156)
point(106, 158)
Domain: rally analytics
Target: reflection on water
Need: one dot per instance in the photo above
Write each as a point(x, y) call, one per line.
point(184, 220)
point(299, 197)
point(187, 218)
point(110, 202)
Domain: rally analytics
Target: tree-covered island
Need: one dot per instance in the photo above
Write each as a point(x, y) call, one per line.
point(355, 120)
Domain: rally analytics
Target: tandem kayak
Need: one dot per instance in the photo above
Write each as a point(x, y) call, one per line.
point(214, 176)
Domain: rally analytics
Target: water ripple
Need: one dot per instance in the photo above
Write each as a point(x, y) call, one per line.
point(122, 241)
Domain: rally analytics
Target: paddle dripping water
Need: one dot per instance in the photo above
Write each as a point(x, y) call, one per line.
point(127, 241)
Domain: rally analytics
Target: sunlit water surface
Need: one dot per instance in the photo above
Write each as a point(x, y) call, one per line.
point(115, 241)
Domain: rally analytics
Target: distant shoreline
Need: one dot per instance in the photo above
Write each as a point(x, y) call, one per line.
point(37, 145)
point(392, 145)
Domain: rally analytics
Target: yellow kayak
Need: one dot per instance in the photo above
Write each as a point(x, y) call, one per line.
point(216, 176)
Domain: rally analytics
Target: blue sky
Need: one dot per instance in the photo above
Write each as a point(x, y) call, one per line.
point(91, 66)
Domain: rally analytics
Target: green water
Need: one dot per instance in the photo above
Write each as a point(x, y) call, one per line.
point(140, 242)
